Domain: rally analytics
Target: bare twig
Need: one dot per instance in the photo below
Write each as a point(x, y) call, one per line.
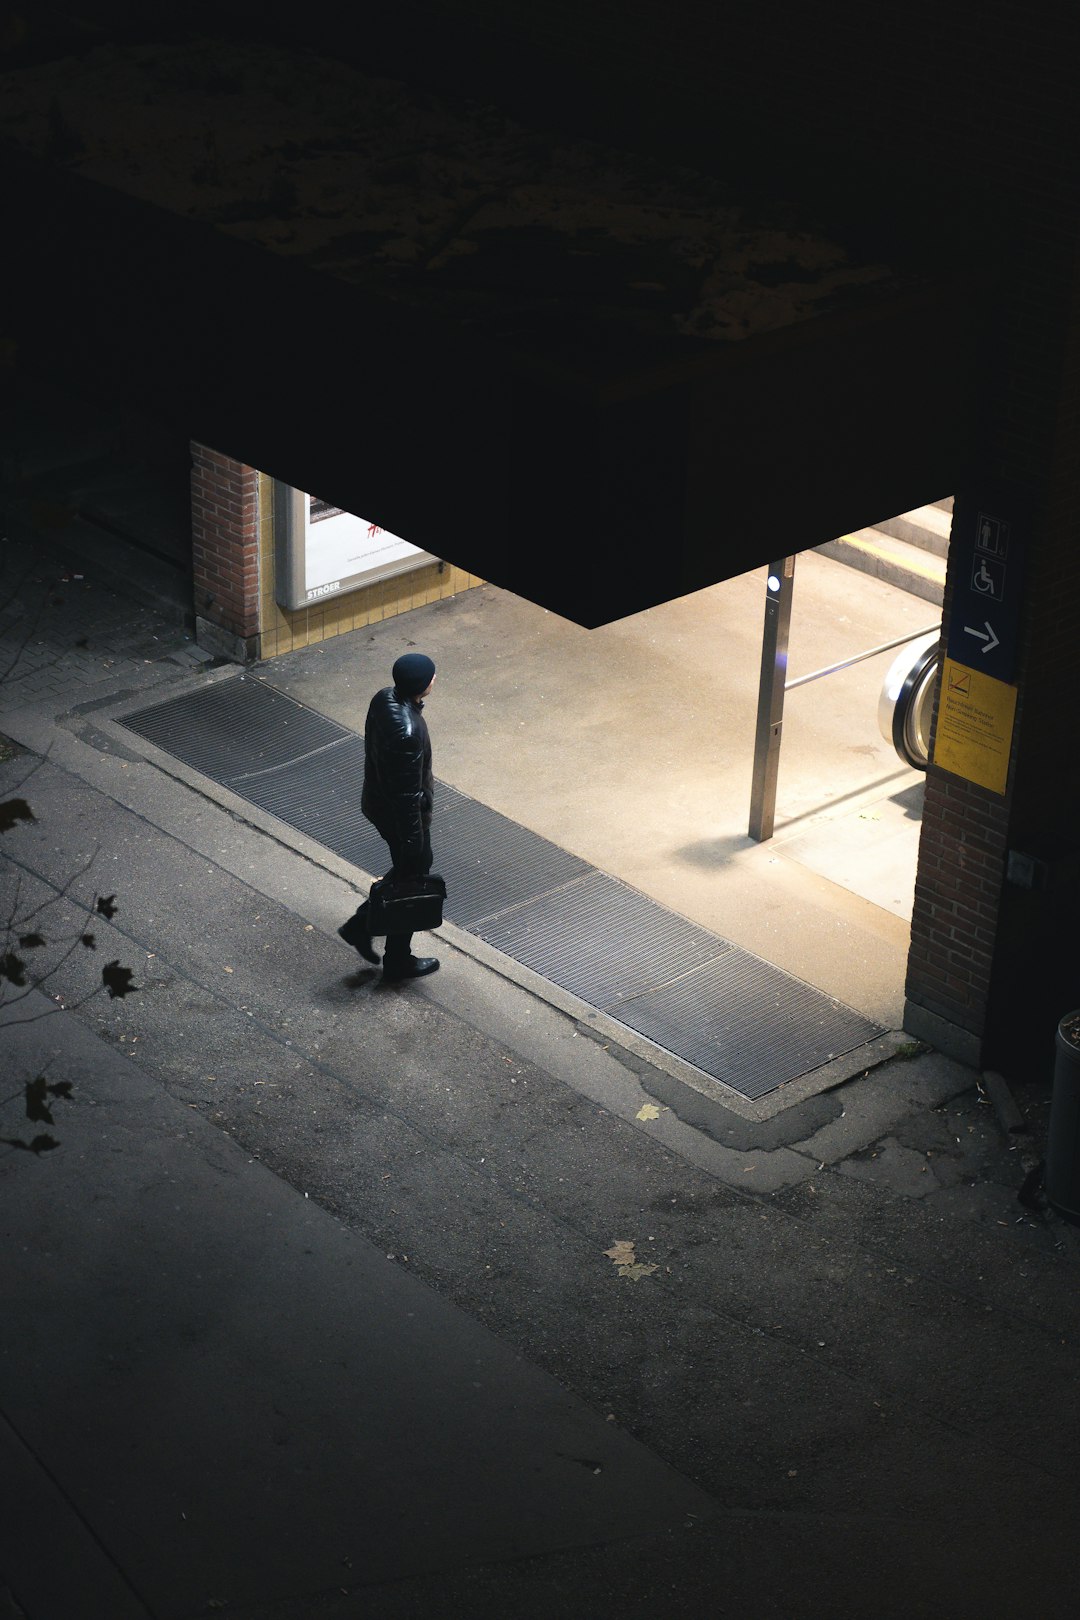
point(43, 978)
point(62, 894)
point(39, 761)
point(61, 1006)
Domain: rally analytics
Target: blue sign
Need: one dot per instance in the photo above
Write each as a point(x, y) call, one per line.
point(987, 565)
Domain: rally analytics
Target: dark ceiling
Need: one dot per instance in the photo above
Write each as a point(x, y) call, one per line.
point(567, 440)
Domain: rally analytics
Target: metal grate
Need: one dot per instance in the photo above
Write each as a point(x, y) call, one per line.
point(747, 1022)
point(231, 729)
point(730, 1014)
point(601, 939)
point(491, 863)
point(320, 796)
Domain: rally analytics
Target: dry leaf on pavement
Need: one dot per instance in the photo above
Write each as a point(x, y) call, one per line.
point(626, 1262)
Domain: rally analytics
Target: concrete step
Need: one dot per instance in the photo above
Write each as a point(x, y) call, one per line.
point(925, 526)
point(896, 561)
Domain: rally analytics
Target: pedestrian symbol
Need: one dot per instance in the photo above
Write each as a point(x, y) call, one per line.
point(991, 536)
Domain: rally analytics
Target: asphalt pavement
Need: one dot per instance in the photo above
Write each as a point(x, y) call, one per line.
point(341, 1300)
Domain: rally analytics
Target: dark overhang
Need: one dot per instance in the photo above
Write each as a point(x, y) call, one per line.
point(599, 383)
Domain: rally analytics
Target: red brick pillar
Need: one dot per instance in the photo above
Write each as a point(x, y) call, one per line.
point(995, 942)
point(954, 924)
point(225, 539)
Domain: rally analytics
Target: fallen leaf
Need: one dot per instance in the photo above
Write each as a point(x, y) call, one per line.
point(626, 1262)
point(648, 1111)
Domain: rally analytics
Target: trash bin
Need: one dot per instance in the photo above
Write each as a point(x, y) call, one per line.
point(1063, 1137)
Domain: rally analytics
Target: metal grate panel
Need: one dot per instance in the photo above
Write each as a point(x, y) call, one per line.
point(490, 862)
point(321, 798)
point(601, 939)
point(747, 1022)
point(230, 729)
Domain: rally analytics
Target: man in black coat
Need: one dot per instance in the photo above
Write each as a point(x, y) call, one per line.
point(397, 800)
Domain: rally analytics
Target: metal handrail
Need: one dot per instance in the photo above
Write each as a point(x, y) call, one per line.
point(846, 663)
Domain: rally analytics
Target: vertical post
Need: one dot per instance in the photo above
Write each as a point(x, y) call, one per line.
point(290, 535)
point(770, 711)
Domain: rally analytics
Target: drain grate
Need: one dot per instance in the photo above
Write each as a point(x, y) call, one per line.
point(745, 1021)
point(232, 729)
point(491, 863)
point(601, 939)
point(320, 797)
point(733, 1016)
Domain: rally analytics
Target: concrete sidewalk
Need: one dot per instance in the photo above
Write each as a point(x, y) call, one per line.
point(217, 1395)
point(296, 1220)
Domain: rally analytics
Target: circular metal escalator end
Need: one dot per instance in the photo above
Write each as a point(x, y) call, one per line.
point(906, 702)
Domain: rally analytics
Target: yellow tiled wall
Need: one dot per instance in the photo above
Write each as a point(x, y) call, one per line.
point(281, 630)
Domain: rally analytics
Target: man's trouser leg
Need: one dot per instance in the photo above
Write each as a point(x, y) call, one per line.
point(399, 946)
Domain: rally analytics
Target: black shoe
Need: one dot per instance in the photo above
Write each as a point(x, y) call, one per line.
point(413, 967)
point(355, 934)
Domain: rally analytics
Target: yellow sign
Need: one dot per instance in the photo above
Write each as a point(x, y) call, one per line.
point(974, 725)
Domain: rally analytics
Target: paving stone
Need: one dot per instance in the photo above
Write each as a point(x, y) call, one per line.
point(62, 634)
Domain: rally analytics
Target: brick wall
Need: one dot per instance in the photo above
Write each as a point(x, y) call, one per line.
point(958, 887)
point(225, 549)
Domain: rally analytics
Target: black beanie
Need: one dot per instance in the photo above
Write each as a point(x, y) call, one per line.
point(413, 674)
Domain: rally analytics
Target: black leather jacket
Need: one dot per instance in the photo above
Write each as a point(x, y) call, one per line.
point(398, 784)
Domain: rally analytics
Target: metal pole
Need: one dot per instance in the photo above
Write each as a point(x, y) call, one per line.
point(770, 711)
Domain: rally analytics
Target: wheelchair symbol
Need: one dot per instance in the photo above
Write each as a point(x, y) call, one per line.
point(988, 579)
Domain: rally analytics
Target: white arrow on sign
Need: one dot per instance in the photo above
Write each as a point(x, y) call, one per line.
point(986, 635)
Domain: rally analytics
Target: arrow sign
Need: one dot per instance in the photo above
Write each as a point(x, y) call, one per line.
point(986, 635)
point(989, 533)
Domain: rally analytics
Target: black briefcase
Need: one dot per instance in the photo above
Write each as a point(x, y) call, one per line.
point(404, 905)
